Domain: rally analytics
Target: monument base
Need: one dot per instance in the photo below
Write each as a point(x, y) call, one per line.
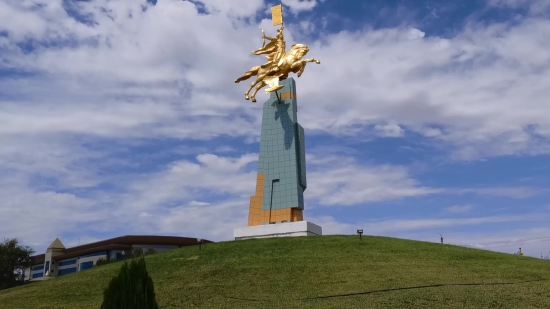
point(298, 228)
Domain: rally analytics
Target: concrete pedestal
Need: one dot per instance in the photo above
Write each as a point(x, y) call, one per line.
point(298, 228)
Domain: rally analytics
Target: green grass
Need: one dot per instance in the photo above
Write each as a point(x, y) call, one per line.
point(301, 272)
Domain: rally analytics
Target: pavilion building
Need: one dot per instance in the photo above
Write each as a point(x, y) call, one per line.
point(59, 261)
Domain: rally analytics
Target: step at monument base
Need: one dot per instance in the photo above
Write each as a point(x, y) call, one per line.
point(299, 228)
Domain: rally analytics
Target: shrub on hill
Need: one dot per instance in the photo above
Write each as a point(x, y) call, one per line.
point(102, 261)
point(150, 251)
point(138, 252)
point(132, 288)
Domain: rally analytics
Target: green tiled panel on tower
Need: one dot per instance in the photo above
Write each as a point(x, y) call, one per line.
point(282, 153)
point(301, 156)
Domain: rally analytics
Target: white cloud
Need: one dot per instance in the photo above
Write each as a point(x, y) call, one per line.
point(25, 157)
point(195, 203)
point(381, 227)
point(513, 192)
point(307, 27)
point(144, 214)
point(297, 6)
point(186, 180)
point(215, 222)
point(431, 132)
point(459, 208)
point(126, 78)
point(236, 8)
point(415, 34)
point(225, 148)
point(342, 181)
point(389, 130)
point(38, 217)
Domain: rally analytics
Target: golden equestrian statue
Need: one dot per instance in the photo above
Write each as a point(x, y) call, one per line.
point(279, 63)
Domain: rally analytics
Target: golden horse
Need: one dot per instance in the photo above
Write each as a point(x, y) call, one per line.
point(269, 74)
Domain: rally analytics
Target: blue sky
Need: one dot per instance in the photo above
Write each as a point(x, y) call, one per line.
point(424, 117)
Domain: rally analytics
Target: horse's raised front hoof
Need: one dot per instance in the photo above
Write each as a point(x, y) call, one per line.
point(254, 100)
point(246, 97)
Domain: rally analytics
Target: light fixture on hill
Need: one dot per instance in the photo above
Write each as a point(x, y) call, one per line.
point(441, 237)
point(360, 232)
point(199, 240)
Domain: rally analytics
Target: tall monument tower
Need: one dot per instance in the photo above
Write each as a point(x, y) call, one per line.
point(277, 207)
point(281, 179)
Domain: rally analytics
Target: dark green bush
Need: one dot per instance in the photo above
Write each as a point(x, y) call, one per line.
point(150, 251)
point(102, 261)
point(137, 252)
point(132, 288)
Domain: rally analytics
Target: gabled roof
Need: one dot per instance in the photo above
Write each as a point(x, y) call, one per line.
point(56, 244)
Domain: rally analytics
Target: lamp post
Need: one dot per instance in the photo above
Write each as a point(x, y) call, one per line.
point(199, 240)
point(123, 253)
point(441, 237)
point(360, 232)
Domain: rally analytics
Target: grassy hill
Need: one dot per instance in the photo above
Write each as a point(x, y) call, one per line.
point(314, 272)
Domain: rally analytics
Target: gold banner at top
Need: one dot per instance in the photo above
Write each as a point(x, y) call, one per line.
point(277, 14)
